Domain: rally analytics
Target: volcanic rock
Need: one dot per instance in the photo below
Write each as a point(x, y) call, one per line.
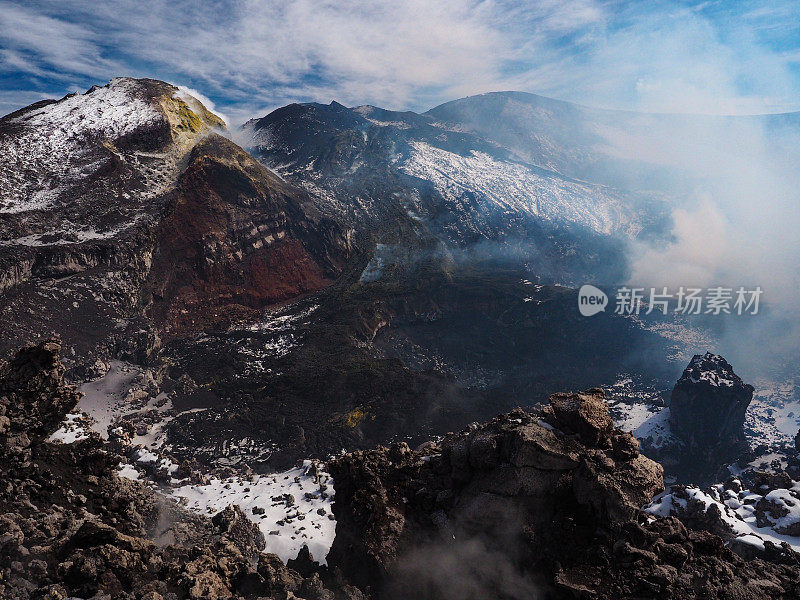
point(518, 507)
point(515, 472)
point(585, 414)
point(71, 528)
point(707, 412)
point(128, 189)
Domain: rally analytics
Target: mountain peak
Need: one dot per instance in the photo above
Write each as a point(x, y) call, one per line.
point(54, 138)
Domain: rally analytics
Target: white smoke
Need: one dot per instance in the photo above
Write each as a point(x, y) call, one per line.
point(735, 220)
point(187, 93)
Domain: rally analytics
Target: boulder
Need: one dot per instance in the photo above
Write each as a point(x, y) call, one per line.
point(586, 414)
point(707, 411)
point(33, 399)
point(241, 531)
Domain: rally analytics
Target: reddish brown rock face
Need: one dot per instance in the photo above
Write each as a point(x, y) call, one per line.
point(283, 272)
point(237, 240)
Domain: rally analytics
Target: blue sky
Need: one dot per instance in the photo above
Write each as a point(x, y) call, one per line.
point(249, 56)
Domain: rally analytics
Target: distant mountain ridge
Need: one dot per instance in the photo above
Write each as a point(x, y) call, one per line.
point(402, 175)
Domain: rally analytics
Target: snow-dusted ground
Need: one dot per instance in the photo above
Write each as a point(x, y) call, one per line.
point(296, 507)
point(773, 417)
point(738, 511)
point(640, 412)
point(56, 188)
point(296, 504)
point(647, 422)
point(514, 188)
point(119, 393)
point(107, 398)
point(104, 401)
point(656, 430)
point(53, 137)
point(292, 508)
point(772, 420)
point(127, 471)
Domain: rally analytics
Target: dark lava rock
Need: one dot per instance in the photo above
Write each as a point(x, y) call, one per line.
point(242, 531)
point(519, 508)
point(71, 528)
point(585, 414)
point(707, 412)
point(32, 397)
point(511, 486)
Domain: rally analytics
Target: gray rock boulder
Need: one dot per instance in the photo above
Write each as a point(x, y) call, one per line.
point(707, 412)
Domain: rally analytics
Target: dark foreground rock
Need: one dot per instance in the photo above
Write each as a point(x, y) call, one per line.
point(524, 506)
point(707, 412)
point(529, 507)
point(71, 528)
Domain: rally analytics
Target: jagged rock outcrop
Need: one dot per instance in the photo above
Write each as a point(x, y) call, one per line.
point(521, 507)
point(71, 528)
point(586, 414)
point(33, 399)
point(510, 483)
point(707, 412)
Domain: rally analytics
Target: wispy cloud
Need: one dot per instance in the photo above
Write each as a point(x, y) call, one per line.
point(251, 55)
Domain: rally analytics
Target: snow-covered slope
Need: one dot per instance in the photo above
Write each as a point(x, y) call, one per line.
point(481, 183)
point(89, 166)
point(405, 179)
point(58, 137)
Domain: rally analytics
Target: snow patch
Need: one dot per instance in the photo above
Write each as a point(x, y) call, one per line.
point(737, 510)
point(296, 507)
point(72, 430)
point(128, 472)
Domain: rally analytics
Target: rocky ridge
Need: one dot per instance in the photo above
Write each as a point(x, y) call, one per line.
point(525, 505)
